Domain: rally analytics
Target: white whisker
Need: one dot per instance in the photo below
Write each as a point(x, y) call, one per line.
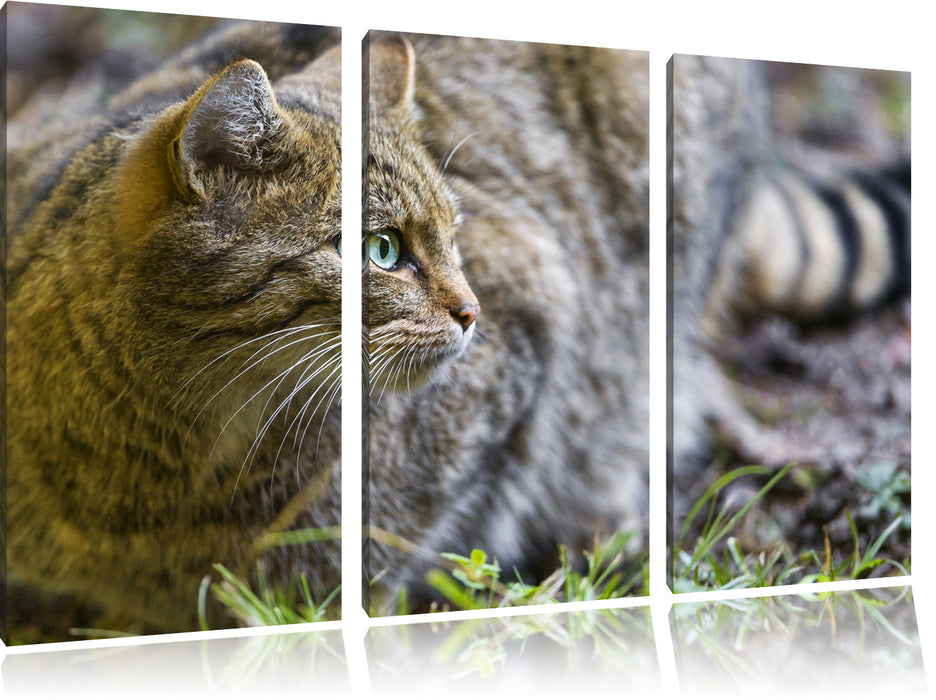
point(274, 334)
point(242, 372)
point(329, 394)
point(457, 146)
point(298, 419)
point(255, 445)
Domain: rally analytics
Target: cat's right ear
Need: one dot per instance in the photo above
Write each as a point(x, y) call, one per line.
point(229, 121)
point(392, 74)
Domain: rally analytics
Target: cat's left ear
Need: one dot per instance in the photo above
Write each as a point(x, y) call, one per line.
point(391, 73)
point(229, 121)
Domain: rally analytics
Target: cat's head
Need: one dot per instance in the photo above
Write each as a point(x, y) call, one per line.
point(231, 206)
point(419, 311)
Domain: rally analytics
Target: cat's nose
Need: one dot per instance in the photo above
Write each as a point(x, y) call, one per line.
point(465, 313)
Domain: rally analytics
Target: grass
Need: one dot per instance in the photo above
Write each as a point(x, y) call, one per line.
point(716, 561)
point(728, 640)
point(706, 555)
point(474, 583)
point(271, 605)
point(469, 583)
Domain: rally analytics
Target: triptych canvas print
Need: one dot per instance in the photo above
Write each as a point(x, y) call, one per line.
point(173, 258)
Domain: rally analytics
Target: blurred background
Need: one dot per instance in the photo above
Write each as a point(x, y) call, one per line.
point(57, 50)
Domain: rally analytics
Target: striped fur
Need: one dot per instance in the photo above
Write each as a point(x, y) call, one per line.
point(173, 329)
point(815, 250)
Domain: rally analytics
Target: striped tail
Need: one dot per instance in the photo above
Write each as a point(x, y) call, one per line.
point(816, 250)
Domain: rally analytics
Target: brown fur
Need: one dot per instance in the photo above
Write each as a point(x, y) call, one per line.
point(138, 290)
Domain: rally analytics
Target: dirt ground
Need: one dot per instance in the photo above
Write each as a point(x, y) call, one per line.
point(839, 396)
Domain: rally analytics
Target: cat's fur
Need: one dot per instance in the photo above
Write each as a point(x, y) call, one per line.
point(156, 243)
point(536, 435)
point(159, 249)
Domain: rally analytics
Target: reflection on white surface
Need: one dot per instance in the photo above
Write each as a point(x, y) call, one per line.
point(859, 643)
point(289, 664)
point(584, 654)
point(846, 644)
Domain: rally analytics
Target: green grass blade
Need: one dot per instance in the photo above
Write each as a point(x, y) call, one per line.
point(712, 491)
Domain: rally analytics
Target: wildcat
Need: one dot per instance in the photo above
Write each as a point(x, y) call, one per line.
point(174, 297)
point(506, 287)
point(173, 326)
point(786, 255)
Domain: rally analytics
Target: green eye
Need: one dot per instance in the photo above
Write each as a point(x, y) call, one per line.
point(384, 249)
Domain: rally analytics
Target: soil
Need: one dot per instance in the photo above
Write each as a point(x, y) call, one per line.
point(839, 398)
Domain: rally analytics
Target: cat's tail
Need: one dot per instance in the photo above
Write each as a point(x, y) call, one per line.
point(815, 250)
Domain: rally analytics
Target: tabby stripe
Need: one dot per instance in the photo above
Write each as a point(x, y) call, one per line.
point(249, 331)
point(899, 174)
point(250, 293)
point(802, 240)
point(895, 205)
point(815, 250)
point(301, 43)
point(876, 266)
point(410, 188)
point(100, 361)
point(46, 183)
point(402, 179)
point(846, 225)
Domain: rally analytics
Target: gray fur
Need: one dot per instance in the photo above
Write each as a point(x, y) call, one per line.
point(537, 434)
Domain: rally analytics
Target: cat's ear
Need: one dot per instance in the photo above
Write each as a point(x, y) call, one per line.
point(229, 121)
point(392, 73)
